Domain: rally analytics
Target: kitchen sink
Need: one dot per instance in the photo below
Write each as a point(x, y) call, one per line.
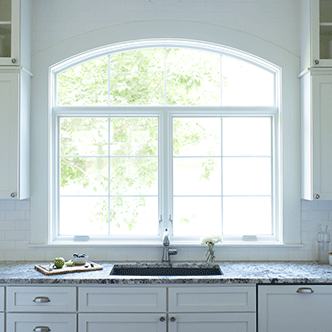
point(159, 269)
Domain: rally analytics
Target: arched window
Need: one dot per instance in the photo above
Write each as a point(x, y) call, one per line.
point(173, 136)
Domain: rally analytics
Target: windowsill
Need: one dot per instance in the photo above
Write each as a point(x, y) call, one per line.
point(239, 244)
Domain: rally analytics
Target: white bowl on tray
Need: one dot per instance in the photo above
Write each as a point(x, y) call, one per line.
point(80, 260)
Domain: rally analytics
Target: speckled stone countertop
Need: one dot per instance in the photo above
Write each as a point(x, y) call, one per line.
point(234, 273)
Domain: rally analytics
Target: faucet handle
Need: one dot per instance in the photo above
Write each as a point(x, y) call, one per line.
point(172, 252)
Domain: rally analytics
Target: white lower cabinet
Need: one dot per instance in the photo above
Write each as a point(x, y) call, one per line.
point(121, 322)
point(295, 308)
point(58, 322)
point(145, 308)
point(185, 309)
point(41, 309)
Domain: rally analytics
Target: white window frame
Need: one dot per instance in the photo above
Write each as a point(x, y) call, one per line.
point(118, 36)
point(166, 114)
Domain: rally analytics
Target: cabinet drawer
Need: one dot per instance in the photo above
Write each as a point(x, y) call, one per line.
point(2, 299)
point(212, 299)
point(41, 299)
point(45, 322)
point(122, 299)
point(122, 322)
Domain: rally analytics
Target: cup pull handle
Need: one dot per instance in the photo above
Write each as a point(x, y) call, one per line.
point(304, 290)
point(41, 329)
point(41, 299)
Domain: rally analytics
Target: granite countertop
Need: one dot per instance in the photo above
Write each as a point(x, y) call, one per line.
point(234, 273)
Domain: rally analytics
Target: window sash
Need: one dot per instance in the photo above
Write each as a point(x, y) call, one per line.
point(165, 160)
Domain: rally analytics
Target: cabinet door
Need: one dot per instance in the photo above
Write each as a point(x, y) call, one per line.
point(322, 136)
point(223, 322)
point(2, 298)
point(41, 322)
point(318, 18)
point(2, 322)
point(122, 299)
point(212, 299)
point(9, 108)
point(9, 32)
point(294, 308)
point(122, 322)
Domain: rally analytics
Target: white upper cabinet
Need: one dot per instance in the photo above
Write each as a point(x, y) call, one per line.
point(15, 33)
point(316, 34)
point(14, 134)
point(316, 124)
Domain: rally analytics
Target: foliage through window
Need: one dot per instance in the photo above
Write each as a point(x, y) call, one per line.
point(165, 137)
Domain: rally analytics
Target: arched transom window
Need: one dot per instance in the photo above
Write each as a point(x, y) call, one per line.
point(165, 137)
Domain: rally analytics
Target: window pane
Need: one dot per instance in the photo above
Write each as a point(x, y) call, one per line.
point(84, 84)
point(247, 136)
point(134, 176)
point(247, 216)
point(197, 176)
point(137, 77)
point(132, 216)
point(134, 136)
point(196, 216)
point(247, 176)
point(83, 136)
point(196, 136)
point(245, 84)
point(193, 77)
point(84, 176)
point(83, 216)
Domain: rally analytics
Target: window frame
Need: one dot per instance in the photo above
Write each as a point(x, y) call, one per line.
point(165, 115)
point(119, 36)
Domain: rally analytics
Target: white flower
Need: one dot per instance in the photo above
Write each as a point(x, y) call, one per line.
point(210, 240)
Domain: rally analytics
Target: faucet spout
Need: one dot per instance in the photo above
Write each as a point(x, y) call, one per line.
point(166, 251)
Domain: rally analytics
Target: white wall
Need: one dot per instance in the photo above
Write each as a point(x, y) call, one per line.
point(276, 21)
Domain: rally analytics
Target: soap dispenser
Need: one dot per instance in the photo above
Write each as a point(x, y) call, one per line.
point(323, 245)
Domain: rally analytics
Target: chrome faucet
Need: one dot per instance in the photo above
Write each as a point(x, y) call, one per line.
point(166, 251)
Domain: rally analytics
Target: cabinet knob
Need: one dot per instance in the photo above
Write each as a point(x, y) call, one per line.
point(304, 290)
point(162, 319)
point(13, 194)
point(316, 62)
point(317, 196)
point(14, 60)
point(41, 329)
point(41, 299)
point(172, 319)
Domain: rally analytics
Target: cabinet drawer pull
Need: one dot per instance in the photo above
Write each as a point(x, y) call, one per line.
point(42, 329)
point(304, 290)
point(41, 299)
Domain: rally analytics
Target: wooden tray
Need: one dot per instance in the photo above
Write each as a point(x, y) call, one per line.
point(67, 269)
